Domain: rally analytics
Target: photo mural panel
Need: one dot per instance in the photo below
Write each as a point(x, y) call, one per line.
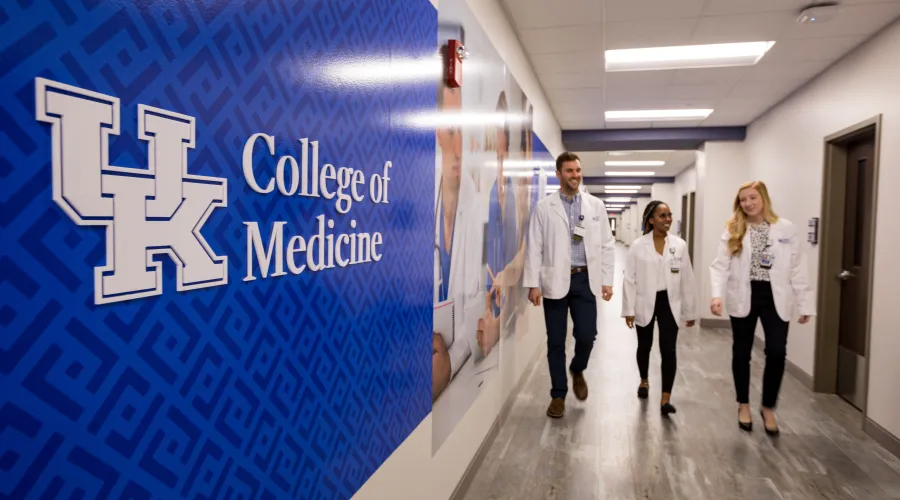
point(487, 181)
point(215, 269)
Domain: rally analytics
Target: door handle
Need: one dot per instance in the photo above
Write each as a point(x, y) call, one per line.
point(845, 275)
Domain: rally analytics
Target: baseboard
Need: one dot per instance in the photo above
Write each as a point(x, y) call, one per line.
point(889, 441)
point(715, 323)
point(463, 486)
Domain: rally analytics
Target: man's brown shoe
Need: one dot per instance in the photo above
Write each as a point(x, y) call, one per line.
point(557, 408)
point(579, 386)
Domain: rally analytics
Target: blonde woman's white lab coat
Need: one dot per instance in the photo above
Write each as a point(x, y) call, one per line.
point(640, 287)
point(548, 257)
point(730, 274)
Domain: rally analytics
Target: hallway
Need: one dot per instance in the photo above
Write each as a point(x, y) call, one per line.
point(615, 446)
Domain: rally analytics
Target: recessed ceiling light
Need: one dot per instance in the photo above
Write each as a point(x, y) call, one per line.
point(687, 56)
point(638, 163)
point(622, 187)
point(630, 174)
point(621, 191)
point(614, 199)
point(657, 115)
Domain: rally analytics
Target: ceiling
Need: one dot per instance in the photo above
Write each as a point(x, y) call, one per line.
point(565, 40)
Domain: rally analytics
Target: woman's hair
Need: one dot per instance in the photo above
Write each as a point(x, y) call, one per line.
point(737, 224)
point(648, 213)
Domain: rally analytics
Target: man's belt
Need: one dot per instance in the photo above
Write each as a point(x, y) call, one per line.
point(576, 270)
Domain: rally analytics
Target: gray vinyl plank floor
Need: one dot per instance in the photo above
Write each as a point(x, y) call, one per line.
point(615, 446)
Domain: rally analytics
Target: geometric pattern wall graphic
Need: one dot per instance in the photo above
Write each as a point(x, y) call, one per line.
point(290, 387)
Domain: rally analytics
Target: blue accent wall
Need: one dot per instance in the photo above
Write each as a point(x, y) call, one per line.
point(297, 386)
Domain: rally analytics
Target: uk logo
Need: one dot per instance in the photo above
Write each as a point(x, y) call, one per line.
point(148, 213)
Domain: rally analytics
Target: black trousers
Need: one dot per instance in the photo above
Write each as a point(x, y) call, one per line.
point(668, 334)
point(762, 307)
point(583, 305)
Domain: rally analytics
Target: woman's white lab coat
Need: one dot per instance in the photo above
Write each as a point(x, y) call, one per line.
point(730, 274)
point(641, 270)
point(548, 257)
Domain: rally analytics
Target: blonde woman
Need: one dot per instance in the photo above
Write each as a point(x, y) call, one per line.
point(760, 271)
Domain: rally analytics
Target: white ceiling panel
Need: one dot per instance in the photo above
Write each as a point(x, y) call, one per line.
point(731, 7)
point(567, 62)
point(572, 80)
point(767, 26)
point(590, 96)
point(546, 14)
point(563, 39)
point(853, 20)
point(618, 11)
point(654, 33)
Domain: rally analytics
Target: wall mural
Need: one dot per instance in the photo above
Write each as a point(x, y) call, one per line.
point(215, 276)
point(490, 172)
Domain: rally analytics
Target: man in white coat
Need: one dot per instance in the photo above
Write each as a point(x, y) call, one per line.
point(569, 261)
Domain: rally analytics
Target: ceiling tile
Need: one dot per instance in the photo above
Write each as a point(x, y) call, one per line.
point(811, 49)
point(576, 96)
point(712, 76)
point(564, 39)
point(568, 62)
point(742, 28)
point(635, 79)
point(730, 7)
point(852, 20)
point(653, 33)
point(592, 79)
point(544, 14)
point(641, 10)
point(670, 124)
point(697, 92)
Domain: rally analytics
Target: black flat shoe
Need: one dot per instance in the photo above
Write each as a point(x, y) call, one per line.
point(769, 431)
point(643, 392)
point(667, 409)
point(745, 426)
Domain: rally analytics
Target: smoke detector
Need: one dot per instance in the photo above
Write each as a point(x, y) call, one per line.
point(818, 13)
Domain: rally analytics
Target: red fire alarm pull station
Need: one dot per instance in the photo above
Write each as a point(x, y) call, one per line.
point(455, 55)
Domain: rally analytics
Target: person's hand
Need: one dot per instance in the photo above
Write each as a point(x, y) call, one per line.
point(716, 306)
point(629, 321)
point(804, 319)
point(497, 288)
point(690, 323)
point(534, 296)
point(440, 366)
point(488, 333)
point(607, 293)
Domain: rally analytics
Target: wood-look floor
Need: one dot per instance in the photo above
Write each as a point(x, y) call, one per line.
point(615, 446)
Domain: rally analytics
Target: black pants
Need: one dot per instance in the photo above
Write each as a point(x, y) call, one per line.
point(668, 334)
point(583, 305)
point(762, 306)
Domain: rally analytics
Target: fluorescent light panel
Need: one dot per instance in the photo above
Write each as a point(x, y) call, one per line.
point(630, 174)
point(622, 187)
point(621, 191)
point(617, 199)
point(657, 115)
point(637, 163)
point(717, 55)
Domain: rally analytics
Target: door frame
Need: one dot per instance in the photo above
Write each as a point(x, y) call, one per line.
point(825, 377)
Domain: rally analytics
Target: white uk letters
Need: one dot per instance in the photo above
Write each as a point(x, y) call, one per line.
point(147, 213)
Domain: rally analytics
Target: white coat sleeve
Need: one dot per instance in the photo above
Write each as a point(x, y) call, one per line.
point(629, 283)
point(720, 269)
point(607, 248)
point(799, 279)
point(534, 253)
point(688, 289)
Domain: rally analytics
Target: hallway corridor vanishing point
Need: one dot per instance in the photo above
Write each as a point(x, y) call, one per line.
point(615, 446)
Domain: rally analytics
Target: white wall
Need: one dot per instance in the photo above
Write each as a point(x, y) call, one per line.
point(785, 148)
point(411, 472)
point(664, 192)
point(721, 169)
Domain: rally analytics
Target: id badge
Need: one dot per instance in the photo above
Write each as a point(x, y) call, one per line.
point(578, 232)
point(765, 260)
point(675, 270)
